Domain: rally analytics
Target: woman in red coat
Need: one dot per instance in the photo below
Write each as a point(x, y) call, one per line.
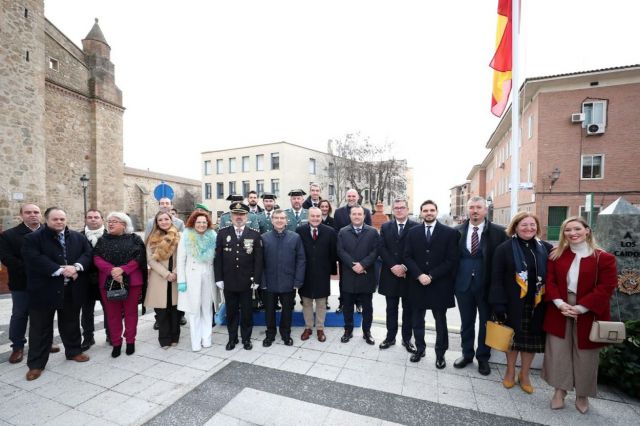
point(580, 280)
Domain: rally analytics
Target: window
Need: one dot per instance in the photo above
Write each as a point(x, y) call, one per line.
point(232, 188)
point(530, 172)
point(312, 166)
point(530, 127)
point(332, 191)
point(219, 166)
point(245, 188)
point(275, 161)
point(595, 112)
point(232, 165)
point(207, 167)
point(332, 170)
point(245, 163)
point(260, 162)
point(207, 191)
point(275, 187)
point(592, 166)
point(260, 186)
point(220, 190)
point(54, 64)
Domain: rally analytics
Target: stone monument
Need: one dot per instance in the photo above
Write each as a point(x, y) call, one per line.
point(618, 232)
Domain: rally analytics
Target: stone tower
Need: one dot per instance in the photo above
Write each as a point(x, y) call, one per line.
point(22, 107)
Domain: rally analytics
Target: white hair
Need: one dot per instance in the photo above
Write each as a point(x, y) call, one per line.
point(128, 228)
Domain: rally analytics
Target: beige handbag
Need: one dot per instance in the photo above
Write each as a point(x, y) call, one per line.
point(499, 336)
point(611, 332)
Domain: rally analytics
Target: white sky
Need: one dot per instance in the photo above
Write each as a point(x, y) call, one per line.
point(204, 75)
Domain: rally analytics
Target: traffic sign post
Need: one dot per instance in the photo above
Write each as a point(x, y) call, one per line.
point(588, 208)
point(163, 191)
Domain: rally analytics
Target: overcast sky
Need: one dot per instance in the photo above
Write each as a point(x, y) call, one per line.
point(205, 75)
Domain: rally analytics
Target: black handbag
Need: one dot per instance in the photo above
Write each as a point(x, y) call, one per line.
point(116, 291)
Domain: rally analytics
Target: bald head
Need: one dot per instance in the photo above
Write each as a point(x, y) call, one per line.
point(30, 215)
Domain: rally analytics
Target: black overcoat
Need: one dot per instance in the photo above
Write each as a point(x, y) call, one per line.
point(361, 248)
point(391, 252)
point(11, 242)
point(321, 257)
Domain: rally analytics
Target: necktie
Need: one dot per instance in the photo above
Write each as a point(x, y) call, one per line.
point(238, 233)
point(64, 246)
point(401, 225)
point(428, 233)
point(358, 231)
point(269, 215)
point(297, 215)
point(475, 241)
point(315, 233)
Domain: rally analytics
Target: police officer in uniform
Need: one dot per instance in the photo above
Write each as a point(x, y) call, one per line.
point(253, 221)
point(296, 215)
point(269, 202)
point(238, 270)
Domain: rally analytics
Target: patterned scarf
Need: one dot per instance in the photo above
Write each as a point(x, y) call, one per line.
point(201, 247)
point(522, 269)
point(93, 236)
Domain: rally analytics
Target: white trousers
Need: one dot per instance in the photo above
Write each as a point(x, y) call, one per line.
point(200, 323)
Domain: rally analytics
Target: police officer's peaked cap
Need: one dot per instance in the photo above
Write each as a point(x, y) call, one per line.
point(268, 196)
point(235, 197)
point(296, 192)
point(238, 207)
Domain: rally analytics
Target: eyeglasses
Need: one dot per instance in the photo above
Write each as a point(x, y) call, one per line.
point(113, 222)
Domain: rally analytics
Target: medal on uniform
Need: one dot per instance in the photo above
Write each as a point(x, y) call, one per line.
point(248, 246)
point(228, 238)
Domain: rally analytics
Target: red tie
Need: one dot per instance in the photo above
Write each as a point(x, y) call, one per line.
point(315, 233)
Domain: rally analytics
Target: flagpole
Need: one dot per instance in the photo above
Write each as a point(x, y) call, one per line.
point(515, 108)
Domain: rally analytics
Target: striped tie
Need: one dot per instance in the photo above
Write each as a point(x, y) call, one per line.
point(475, 241)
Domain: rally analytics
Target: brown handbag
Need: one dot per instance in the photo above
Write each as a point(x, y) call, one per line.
point(499, 336)
point(611, 332)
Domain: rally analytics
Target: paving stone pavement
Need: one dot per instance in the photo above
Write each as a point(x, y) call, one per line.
point(309, 382)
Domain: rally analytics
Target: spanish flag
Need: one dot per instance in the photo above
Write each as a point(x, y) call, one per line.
point(501, 62)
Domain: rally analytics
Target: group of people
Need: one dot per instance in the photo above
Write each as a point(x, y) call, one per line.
point(549, 296)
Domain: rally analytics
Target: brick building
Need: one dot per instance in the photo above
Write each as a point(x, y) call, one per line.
point(580, 133)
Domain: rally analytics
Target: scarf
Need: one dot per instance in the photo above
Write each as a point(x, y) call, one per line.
point(163, 244)
point(93, 236)
point(522, 269)
point(201, 247)
point(119, 250)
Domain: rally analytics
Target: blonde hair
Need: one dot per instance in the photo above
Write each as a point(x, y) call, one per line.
point(563, 243)
point(511, 229)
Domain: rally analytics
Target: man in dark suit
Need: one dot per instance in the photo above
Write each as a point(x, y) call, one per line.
point(341, 218)
point(11, 242)
point(478, 240)
point(56, 261)
point(319, 243)
point(313, 200)
point(238, 271)
point(358, 251)
point(393, 277)
point(431, 256)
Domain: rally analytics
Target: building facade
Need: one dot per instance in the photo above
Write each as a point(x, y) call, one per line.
point(274, 167)
point(579, 139)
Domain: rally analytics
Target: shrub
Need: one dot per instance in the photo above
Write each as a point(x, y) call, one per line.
point(620, 364)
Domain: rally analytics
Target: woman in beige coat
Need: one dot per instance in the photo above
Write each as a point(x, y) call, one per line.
point(162, 291)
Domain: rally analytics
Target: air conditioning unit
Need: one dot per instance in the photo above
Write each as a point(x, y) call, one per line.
point(595, 129)
point(577, 117)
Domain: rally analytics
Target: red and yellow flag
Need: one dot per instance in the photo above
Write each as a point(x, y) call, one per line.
point(501, 62)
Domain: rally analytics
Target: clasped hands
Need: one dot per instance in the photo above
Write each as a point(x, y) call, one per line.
point(116, 274)
point(69, 271)
point(424, 279)
point(398, 271)
point(358, 268)
point(569, 311)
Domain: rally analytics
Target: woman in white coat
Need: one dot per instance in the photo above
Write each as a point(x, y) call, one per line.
point(196, 286)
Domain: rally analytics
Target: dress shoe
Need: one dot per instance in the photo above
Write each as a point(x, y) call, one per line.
point(87, 342)
point(230, 345)
point(440, 363)
point(33, 374)
point(247, 345)
point(156, 326)
point(409, 346)
point(525, 388)
point(16, 356)
point(183, 321)
point(328, 307)
point(306, 334)
point(557, 402)
point(417, 356)
point(386, 344)
point(79, 358)
point(54, 349)
point(367, 338)
point(508, 383)
point(346, 336)
point(115, 352)
point(582, 404)
point(321, 336)
point(484, 368)
point(287, 341)
point(278, 307)
point(131, 348)
point(462, 362)
point(268, 341)
point(339, 309)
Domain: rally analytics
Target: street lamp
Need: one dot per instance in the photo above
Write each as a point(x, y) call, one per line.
point(84, 181)
point(490, 208)
point(555, 175)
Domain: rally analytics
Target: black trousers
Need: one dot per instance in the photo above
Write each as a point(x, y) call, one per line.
point(168, 321)
point(87, 320)
point(287, 300)
point(442, 334)
point(471, 303)
point(239, 311)
point(348, 302)
point(41, 331)
point(392, 318)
